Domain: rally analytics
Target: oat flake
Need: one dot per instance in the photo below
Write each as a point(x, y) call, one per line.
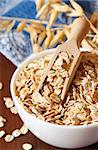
point(27, 146)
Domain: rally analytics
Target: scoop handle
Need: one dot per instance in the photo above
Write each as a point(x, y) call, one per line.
point(80, 28)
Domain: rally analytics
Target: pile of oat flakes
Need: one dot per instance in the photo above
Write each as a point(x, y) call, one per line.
point(9, 104)
point(81, 103)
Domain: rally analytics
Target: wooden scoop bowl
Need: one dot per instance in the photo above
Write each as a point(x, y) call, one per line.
point(79, 30)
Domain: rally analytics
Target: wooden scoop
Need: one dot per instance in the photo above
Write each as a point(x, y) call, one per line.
point(79, 30)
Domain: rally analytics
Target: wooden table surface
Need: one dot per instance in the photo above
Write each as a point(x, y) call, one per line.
point(13, 121)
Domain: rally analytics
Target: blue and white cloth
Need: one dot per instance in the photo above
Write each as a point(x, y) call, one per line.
point(17, 46)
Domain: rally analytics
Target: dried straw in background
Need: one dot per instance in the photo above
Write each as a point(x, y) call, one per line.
point(56, 39)
point(48, 39)
point(39, 4)
point(53, 17)
point(21, 26)
point(61, 8)
point(45, 32)
point(11, 25)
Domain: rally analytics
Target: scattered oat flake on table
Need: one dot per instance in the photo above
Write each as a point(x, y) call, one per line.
point(2, 119)
point(24, 129)
point(1, 124)
point(13, 110)
point(1, 85)
point(16, 133)
point(27, 146)
point(9, 138)
point(7, 98)
point(2, 133)
point(9, 103)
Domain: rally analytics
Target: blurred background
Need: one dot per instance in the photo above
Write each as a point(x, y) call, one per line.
point(6, 5)
point(17, 46)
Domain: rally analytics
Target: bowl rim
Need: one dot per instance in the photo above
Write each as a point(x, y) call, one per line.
point(12, 87)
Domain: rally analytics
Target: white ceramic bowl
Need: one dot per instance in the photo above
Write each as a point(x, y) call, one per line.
point(56, 135)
